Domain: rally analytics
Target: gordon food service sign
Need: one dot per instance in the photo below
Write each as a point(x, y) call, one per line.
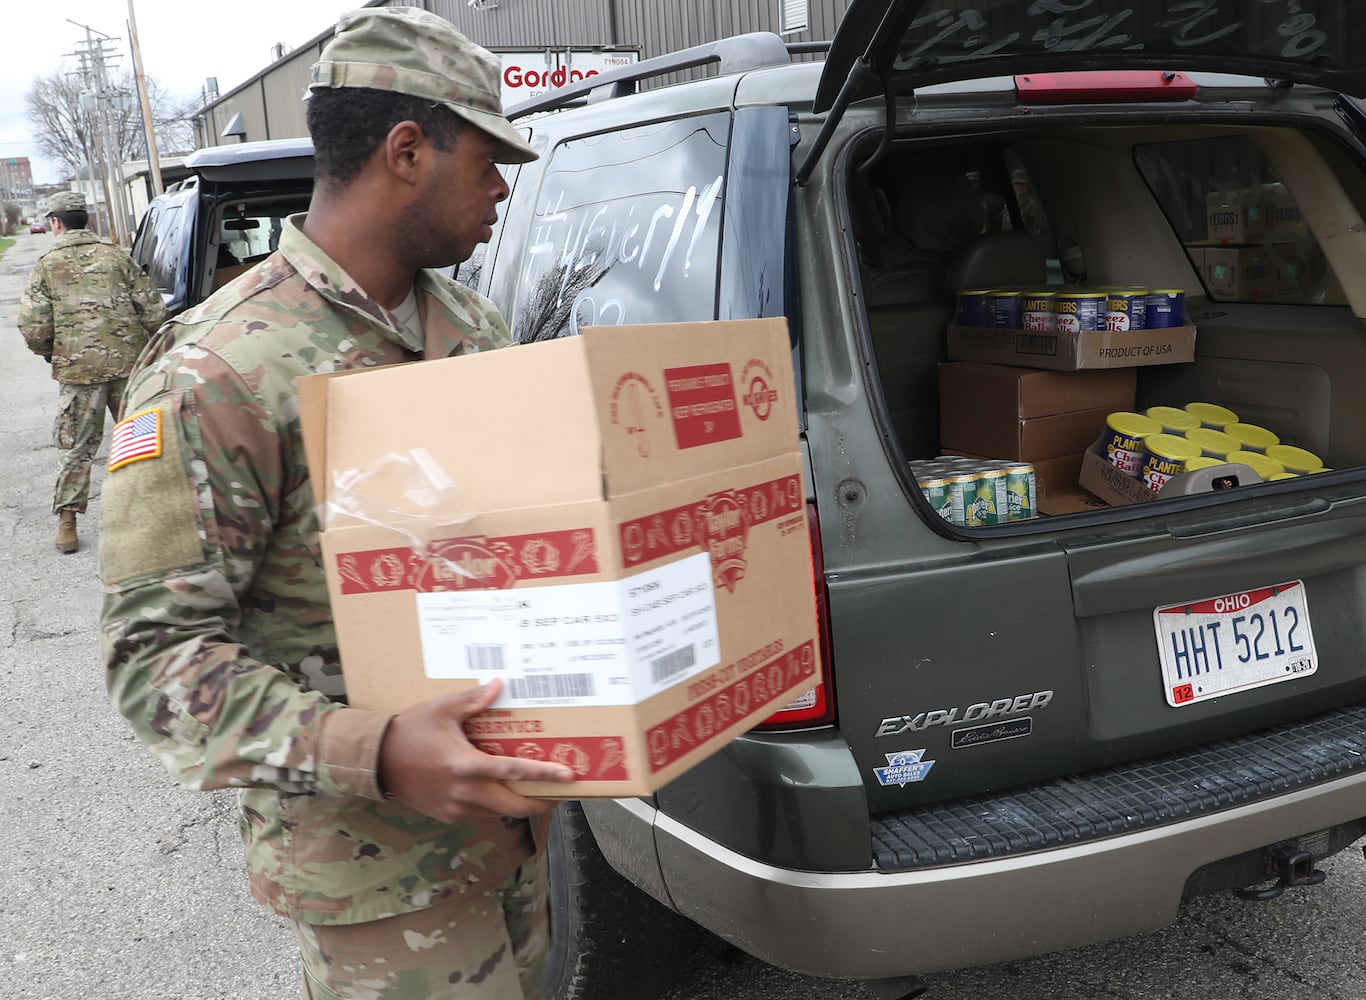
point(530, 74)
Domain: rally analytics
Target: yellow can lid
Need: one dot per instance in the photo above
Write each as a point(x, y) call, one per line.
point(1201, 462)
point(1252, 437)
point(1294, 459)
point(1134, 425)
point(1171, 446)
point(1173, 419)
point(1168, 291)
point(1212, 414)
point(1213, 442)
point(1284, 475)
point(1257, 462)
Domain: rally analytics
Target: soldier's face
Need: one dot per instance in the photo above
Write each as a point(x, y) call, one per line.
point(459, 206)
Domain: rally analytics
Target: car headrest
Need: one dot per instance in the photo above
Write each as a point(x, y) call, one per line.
point(1008, 259)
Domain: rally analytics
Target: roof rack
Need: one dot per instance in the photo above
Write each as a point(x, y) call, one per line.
point(737, 54)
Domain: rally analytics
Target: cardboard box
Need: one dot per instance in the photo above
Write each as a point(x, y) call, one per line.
point(1051, 475)
point(1240, 273)
point(1284, 220)
point(1089, 349)
point(1017, 413)
point(1073, 501)
point(1234, 216)
point(1108, 483)
point(1116, 488)
point(614, 524)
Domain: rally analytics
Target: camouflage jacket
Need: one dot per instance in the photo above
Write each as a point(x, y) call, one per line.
point(89, 308)
point(216, 632)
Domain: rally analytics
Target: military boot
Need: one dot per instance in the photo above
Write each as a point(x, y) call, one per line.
point(66, 532)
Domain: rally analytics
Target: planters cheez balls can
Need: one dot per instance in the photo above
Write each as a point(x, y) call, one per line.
point(1124, 434)
point(1166, 308)
point(1036, 312)
point(1003, 309)
point(1077, 311)
point(1126, 309)
point(972, 308)
point(1021, 492)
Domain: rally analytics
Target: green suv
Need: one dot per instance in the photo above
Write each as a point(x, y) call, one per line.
point(1033, 732)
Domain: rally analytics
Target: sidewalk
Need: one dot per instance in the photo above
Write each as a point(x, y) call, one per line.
point(115, 883)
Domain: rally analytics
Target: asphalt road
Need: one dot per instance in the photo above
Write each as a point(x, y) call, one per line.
point(117, 885)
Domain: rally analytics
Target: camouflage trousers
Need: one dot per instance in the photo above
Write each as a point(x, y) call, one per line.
point(77, 433)
point(490, 946)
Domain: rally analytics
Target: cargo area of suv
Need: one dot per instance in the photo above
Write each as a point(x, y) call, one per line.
point(1041, 726)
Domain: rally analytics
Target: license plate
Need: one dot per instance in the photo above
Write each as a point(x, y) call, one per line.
point(1234, 643)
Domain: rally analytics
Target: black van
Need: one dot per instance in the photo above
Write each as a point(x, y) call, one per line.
point(208, 228)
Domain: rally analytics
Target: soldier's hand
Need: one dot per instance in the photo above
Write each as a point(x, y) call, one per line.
point(427, 763)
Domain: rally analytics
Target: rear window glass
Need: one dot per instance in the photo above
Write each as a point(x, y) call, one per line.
point(164, 250)
point(1240, 224)
point(626, 230)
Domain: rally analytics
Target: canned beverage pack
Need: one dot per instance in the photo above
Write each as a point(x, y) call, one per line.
point(976, 492)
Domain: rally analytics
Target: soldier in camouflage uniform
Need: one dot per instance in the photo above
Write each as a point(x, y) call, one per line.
point(88, 310)
point(410, 869)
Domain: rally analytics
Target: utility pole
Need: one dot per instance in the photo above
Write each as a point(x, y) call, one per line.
point(148, 126)
point(100, 102)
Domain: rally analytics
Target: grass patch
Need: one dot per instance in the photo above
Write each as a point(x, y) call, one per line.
point(5, 244)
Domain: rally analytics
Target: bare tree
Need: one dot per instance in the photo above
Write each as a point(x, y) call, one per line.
point(66, 132)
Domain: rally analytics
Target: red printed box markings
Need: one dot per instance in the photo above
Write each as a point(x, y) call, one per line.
point(719, 525)
point(703, 405)
point(470, 563)
point(592, 758)
point(687, 730)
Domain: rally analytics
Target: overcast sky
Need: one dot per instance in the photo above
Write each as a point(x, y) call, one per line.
point(182, 43)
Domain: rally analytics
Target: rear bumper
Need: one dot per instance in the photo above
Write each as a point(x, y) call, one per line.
point(869, 925)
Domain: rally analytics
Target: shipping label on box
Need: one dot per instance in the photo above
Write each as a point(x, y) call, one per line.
point(614, 525)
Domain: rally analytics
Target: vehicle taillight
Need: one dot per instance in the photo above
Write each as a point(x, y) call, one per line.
point(1104, 85)
point(815, 708)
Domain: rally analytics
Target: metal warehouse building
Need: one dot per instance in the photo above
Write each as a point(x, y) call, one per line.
point(541, 42)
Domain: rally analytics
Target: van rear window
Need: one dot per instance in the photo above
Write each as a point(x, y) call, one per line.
point(1240, 224)
point(627, 230)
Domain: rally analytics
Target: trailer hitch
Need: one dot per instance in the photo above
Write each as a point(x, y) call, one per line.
point(1291, 868)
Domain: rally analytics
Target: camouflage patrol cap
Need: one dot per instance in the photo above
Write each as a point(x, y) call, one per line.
point(66, 201)
point(413, 52)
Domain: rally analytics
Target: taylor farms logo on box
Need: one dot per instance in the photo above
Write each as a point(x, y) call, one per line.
point(470, 563)
point(719, 525)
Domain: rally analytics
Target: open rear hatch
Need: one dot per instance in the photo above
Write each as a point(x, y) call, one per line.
point(1062, 646)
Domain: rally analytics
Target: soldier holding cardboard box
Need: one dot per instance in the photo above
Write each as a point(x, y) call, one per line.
point(369, 830)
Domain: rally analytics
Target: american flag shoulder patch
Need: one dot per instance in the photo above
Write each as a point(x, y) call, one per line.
point(136, 437)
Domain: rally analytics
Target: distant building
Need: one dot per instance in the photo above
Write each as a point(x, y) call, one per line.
point(16, 180)
point(542, 43)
